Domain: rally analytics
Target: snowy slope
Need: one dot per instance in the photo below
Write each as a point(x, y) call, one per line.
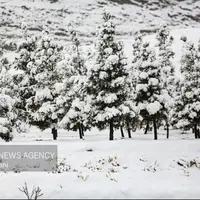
point(130, 15)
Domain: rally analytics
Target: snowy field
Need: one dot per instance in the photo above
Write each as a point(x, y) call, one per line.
point(97, 168)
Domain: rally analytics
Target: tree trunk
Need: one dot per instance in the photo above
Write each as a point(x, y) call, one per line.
point(82, 130)
point(80, 133)
point(128, 129)
point(195, 131)
point(147, 128)
point(122, 132)
point(198, 133)
point(54, 133)
point(167, 130)
point(192, 130)
point(155, 130)
point(111, 137)
point(141, 124)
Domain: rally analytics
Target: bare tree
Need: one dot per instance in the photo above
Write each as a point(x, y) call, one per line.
point(35, 194)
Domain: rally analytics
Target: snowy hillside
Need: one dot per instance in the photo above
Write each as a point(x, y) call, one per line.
point(130, 16)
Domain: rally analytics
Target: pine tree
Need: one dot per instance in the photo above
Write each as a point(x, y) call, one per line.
point(178, 104)
point(75, 104)
point(165, 56)
point(131, 111)
point(106, 81)
point(7, 115)
point(151, 98)
point(23, 78)
point(187, 102)
point(42, 105)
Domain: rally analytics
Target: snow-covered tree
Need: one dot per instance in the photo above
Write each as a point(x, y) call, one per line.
point(178, 104)
point(128, 117)
point(73, 96)
point(137, 60)
point(6, 117)
point(131, 82)
point(41, 104)
point(187, 101)
point(6, 102)
point(151, 97)
point(23, 78)
point(165, 55)
point(106, 82)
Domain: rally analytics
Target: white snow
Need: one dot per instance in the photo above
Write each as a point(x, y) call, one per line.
point(143, 75)
point(103, 75)
point(129, 168)
point(153, 81)
point(141, 87)
point(189, 94)
point(113, 59)
point(6, 101)
point(110, 98)
point(153, 108)
point(3, 129)
point(42, 94)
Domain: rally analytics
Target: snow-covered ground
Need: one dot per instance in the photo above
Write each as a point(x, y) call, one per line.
point(130, 168)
